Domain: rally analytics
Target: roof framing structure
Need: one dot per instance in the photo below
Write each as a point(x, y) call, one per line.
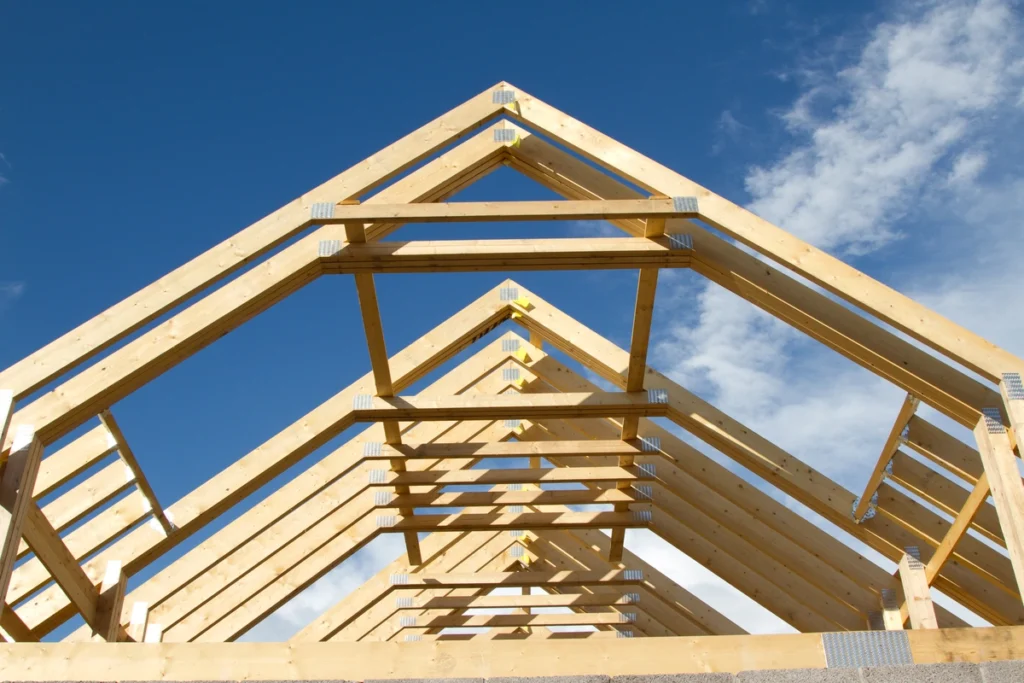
point(949, 515)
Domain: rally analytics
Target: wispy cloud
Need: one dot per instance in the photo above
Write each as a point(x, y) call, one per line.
point(9, 293)
point(909, 148)
point(593, 229)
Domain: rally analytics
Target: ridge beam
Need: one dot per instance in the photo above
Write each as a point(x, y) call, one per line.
point(549, 475)
point(653, 403)
point(447, 602)
point(499, 620)
point(503, 498)
point(469, 212)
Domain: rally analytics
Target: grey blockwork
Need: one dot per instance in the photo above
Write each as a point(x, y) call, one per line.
point(960, 672)
point(675, 678)
point(424, 680)
point(1011, 671)
point(799, 676)
point(549, 679)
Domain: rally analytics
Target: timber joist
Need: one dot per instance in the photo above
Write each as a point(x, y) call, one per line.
point(939, 506)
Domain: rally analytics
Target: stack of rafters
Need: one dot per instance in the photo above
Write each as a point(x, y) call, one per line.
point(596, 459)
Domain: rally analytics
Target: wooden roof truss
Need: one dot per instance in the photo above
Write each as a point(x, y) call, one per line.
point(534, 530)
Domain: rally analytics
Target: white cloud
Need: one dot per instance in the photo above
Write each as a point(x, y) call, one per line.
point(915, 140)
point(593, 229)
point(10, 292)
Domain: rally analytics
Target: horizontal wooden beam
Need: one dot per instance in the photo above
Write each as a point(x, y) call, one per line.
point(447, 602)
point(367, 408)
point(535, 521)
point(471, 659)
point(488, 498)
point(504, 449)
point(498, 620)
point(458, 256)
point(469, 212)
point(548, 475)
point(617, 577)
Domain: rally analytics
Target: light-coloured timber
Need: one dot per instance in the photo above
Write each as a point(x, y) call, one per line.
point(469, 212)
point(486, 498)
point(1001, 466)
point(522, 520)
point(68, 462)
point(391, 660)
point(958, 529)
point(595, 404)
point(548, 475)
point(915, 589)
point(892, 442)
point(17, 479)
point(617, 577)
point(516, 601)
point(507, 449)
point(140, 480)
point(603, 253)
point(108, 604)
point(497, 620)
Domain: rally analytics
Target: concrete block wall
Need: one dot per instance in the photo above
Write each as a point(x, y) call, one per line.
point(990, 672)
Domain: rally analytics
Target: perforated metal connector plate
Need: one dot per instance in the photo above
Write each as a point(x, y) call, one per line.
point(685, 204)
point(914, 557)
point(993, 420)
point(631, 598)
point(679, 240)
point(627, 617)
point(512, 423)
point(657, 396)
point(412, 638)
point(650, 444)
point(372, 449)
point(1014, 386)
point(503, 96)
point(643, 516)
point(404, 603)
point(513, 487)
point(510, 374)
point(329, 248)
point(866, 648)
point(509, 345)
point(399, 579)
point(516, 533)
point(408, 622)
point(321, 210)
point(515, 509)
point(633, 575)
point(869, 513)
point(644, 492)
point(505, 135)
point(385, 521)
point(362, 402)
point(378, 476)
point(382, 498)
point(647, 470)
point(508, 293)
point(624, 634)
point(517, 551)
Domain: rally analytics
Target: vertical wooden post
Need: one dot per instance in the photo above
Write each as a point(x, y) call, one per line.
point(137, 623)
point(111, 599)
point(892, 620)
point(915, 589)
point(1005, 483)
point(17, 479)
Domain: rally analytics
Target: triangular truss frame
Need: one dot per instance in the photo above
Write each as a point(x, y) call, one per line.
point(512, 399)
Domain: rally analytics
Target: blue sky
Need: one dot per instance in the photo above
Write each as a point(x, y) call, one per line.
point(135, 136)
